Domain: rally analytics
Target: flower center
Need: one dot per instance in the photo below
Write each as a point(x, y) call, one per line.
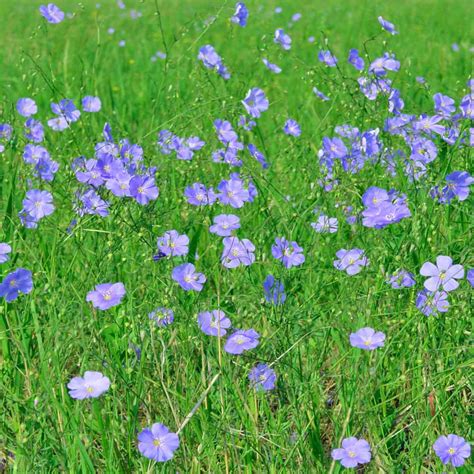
point(13, 283)
point(351, 454)
point(442, 275)
point(451, 450)
point(107, 296)
point(38, 204)
point(141, 190)
point(156, 443)
point(90, 389)
point(239, 340)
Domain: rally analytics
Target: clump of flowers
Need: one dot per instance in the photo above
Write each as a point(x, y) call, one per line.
point(383, 208)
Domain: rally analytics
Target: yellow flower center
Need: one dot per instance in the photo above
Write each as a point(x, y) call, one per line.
point(141, 190)
point(239, 340)
point(13, 283)
point(451, 450)
point(107, 296)
point(442, 276)
point(351, 454)
point(90, 389)
point(156, 443)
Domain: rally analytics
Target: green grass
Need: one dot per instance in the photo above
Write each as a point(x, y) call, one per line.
point(400, 397)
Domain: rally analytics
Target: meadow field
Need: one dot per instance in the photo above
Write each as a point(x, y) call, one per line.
point(236, 238)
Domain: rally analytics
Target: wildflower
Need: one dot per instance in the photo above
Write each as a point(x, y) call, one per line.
point(143, 189)
point(187, 277)
point(52, 13)
point(290, 253)
point(319, 94)
point(34, 130)
point(241, 14)
point(387, 26)
point(353, 452)
point(91, 104)
point(470, 277)
point(258, 155)
point(255, 102)
point(452, 449)
point(242, 340)
point(444, 105)
point(38, 203)
point(429, 124)
point(6, 131)
point(402, 279)
point(383, 207)
point(282, 39)
point(367, 339)
point(356, 60)
point(274, 290)
point(334, 147)
point(351, 261)
point(214, 323)
point(232, 192)
point(237, 252)
point(272, 67)
point(66, 109)
point(91, 203)
point(106, 295)
point(15, 283)
point(326, 57)
point(325, 224)
point(430, 303)
point(119, 185)
point(158, 443)
point(198, 195)
point(246, 123)
point(262, 378)
point(26, 107)
point(292, 128)
point(5, 249)
point(172, 244)
point(162, 316)
point(92, 385)
point(444, 274)
point(381, 65)
point(224, 224)
point(58, 124)
point(211, 60)
point(458, 186)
